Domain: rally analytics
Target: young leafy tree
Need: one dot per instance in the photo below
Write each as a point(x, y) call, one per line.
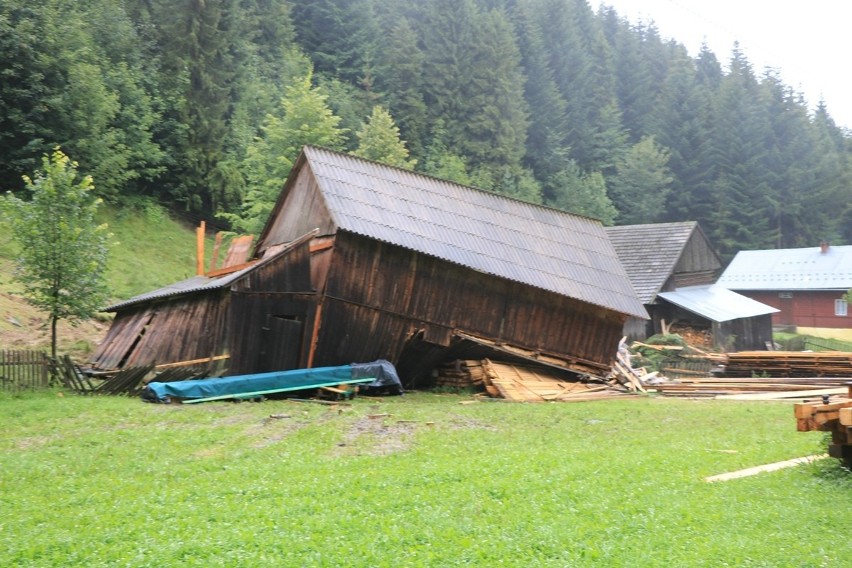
point(63, 250)
point(379, 140)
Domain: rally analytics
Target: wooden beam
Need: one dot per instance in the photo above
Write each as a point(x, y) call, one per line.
point(230, 269)
point(314, 335)
point(764, 468)
point(199, 248)
point(192, 362)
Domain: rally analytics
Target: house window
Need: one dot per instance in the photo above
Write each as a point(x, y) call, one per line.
point(840, 307)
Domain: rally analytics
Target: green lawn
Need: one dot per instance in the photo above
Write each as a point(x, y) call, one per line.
point(117, 482)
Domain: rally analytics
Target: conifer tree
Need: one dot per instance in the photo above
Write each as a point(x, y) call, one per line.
point(379, 141)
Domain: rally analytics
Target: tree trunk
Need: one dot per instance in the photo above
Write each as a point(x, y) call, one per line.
point(53, 320)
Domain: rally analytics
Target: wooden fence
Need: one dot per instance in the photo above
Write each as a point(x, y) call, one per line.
point(23, 370)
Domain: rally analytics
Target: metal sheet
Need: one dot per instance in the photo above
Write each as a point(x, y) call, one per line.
point(716, 303)
point(790, 269)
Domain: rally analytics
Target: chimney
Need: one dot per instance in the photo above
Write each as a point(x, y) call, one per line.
point(823, 247)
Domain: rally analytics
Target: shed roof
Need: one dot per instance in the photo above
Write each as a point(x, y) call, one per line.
point(542, 247)
point(200, 282)
point(716, 303)
point(790, 269)
point(650, 253)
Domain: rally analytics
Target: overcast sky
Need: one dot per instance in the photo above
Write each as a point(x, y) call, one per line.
point(807, 42)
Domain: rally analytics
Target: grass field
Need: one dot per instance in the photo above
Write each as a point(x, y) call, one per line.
point(418, 480)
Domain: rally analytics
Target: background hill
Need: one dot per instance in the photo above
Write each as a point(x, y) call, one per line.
point(204, 105)
point(150, 250)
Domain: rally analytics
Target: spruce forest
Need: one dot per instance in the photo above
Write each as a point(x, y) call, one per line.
point(203, 105)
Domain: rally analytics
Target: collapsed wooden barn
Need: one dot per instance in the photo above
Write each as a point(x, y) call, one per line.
point(361, 261)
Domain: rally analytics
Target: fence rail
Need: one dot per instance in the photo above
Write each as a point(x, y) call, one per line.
point(22, 370)
point(823, 344)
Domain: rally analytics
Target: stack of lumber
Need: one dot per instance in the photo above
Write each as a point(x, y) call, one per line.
point(536, 384)
point(829, 415)
point(461, 374)
point(789, 364)
point(763, 388)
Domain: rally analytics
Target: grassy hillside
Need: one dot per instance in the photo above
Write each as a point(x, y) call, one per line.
point(150, 250)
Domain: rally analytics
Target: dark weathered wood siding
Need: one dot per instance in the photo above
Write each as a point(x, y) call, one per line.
point(302, 210)
point(378, 295)
point(168, 330)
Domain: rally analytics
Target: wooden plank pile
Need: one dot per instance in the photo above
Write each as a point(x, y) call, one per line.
point(758, 388)
point(830, 415)
point(461, 374)
point(520, 383)
point(625, 374)
point(789, 364)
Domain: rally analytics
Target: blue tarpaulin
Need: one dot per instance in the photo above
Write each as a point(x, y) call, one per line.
point(380, 374)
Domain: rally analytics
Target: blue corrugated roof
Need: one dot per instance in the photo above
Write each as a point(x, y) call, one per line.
point(716, 303)
point(534, 245)
point(790, 269)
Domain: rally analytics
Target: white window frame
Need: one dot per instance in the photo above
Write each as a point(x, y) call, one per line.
point(840, 307)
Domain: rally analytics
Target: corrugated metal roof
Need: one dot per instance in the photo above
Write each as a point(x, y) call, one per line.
point(790, 269)
point(649, 253)
point(534, 245)
point(716, 303)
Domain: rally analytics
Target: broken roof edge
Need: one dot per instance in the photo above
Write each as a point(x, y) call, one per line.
point(200, 282)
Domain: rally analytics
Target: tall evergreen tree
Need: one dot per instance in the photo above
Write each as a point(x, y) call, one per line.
point(642, 182)
point(399, 67)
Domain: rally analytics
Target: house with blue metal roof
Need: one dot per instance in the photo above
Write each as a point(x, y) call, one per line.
point(806, 285)
point(361, 261)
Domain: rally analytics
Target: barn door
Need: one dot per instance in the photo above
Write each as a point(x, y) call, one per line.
point(281, 343)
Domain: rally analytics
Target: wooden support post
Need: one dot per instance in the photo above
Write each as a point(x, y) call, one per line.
point(315, 334)
point(199, 249)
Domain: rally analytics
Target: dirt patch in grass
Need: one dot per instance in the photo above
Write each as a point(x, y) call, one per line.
point(23, 326)
point(376, 437)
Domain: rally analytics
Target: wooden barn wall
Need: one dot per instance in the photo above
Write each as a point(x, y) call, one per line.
point(272, 314)
point(697, 256)
point(302, 211)
point(744, 334)
point(378, 294)
point(290, 272)
point(190, 327)
point(258, 344)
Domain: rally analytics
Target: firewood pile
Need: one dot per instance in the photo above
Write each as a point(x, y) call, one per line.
point(461, 374)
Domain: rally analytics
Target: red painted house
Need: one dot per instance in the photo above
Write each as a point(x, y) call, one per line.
point(806, 285)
